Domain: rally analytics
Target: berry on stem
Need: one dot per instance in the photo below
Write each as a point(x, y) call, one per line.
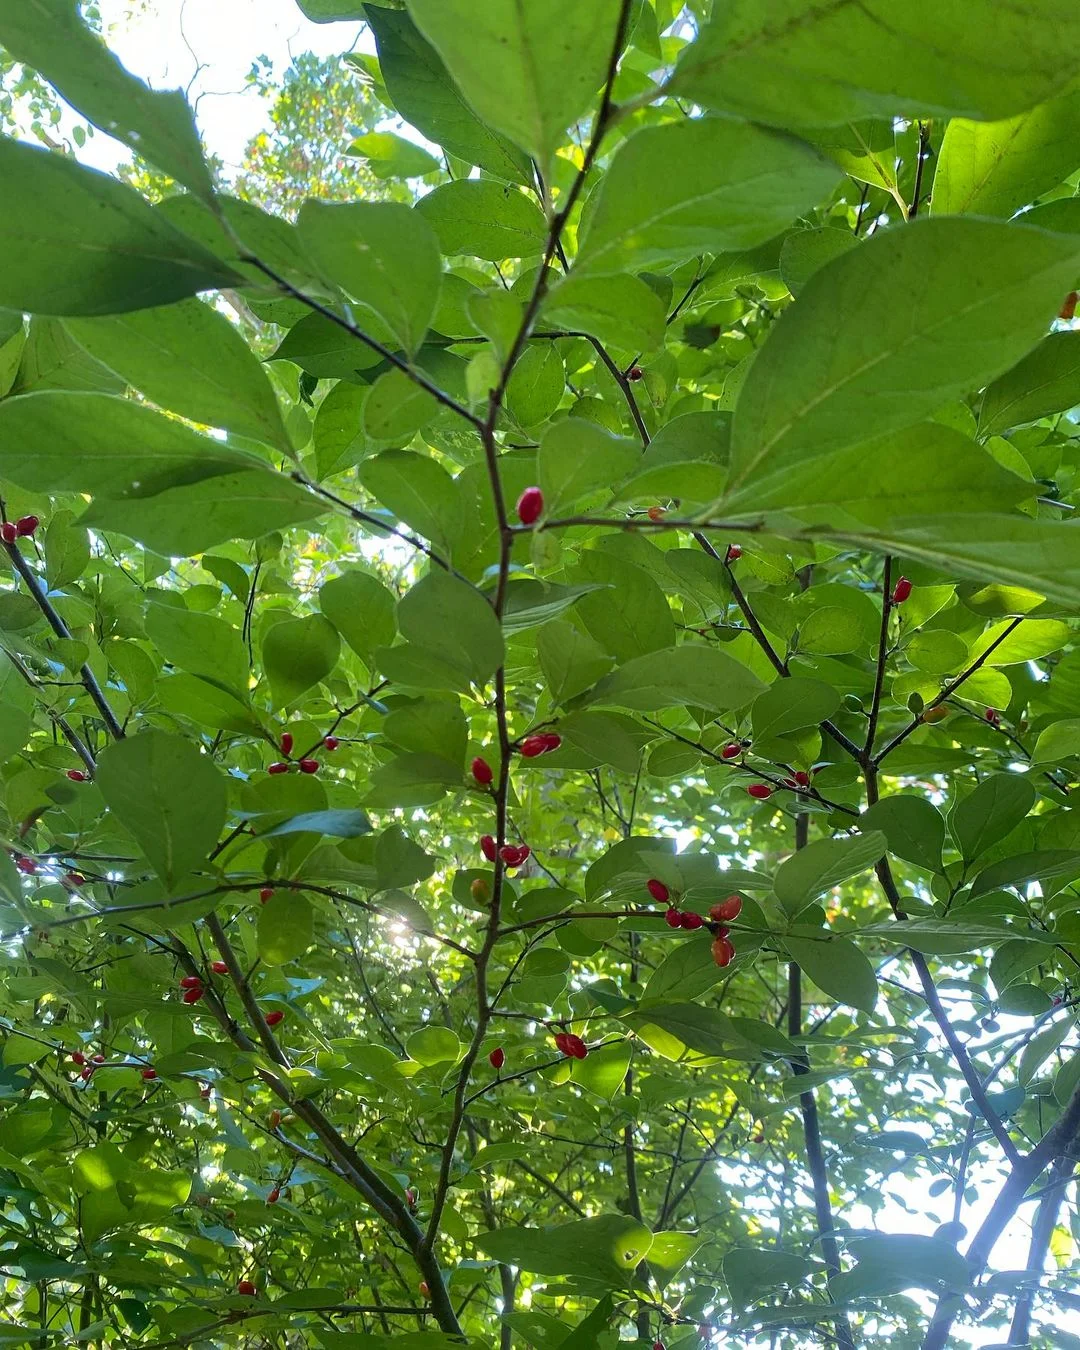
point(731, 751)
point(672, 917)
point(274, 1119)
point(309, 766)
point(635, 373)
point(149, 1074)
point(688, 919)
point(330, 743)
point(425, 1289)
point(26, 525)
point(561, 1042)
point(77, 1057)
point(532, 746)
point(75, 879)
point(246, 1287)
point(274, 1196)
point(274, 1018)
point(8, 532)
point(99, 1058)
point(191, 982)
point(576, 1047)
point(552, 740)
point(193, 995)
point(482, 771)
point(733, 554)
point(497, 1058)
point(530, 506)
point(76, 775)
point(219, 967)
point(727, 909)
point(993, 716)
point(480, 890)
point(760, 791)
point(658, 890)
point(1068, 308)
point(656, 513)
point(900, 591)
point(27, 865)
point(286, 742)
point(277, 767)
point(265, 894)
point(488, 847)
point(722, 951)
point(87, 1073)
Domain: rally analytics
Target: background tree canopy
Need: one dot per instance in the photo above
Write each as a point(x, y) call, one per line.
point(540, 711)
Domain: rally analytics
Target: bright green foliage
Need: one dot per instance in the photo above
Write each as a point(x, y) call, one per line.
point(777, 683)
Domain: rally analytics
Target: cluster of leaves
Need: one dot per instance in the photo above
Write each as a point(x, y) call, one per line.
point(761, 305)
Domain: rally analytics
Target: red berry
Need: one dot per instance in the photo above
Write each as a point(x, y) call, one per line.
point(552, 740)
point(425, 1289)
point(277, 767)
point(993, 716)
point(759, 1138)
point(149, 1074)
point(635, 373)
point(513, 855)
point(273, 1018)
point(219, 967)
point(274, 1196)
point(1068, 309)
point(274, 1119)
point(802, 778)
point(265, 894)
point(901, 591)
point(658, 1345)
point(87, 1073)
point(759, 791)
point(330, 742)
point(576, 1047)
point(247, 1288)
point(193, 995)
point(309, 766)
point(191, 982)
point(727, 909)
point(561, 1041)
point(672, 917)
point(77, 1057)
point(482, 771)
point(410, 1198)
point(8, 532)
point(286, 742)
point(689, 919)
point(734, 553)
point(656, 513)
point(497, 1058)
point(76, 775)
point(27, 865)
point(731, 751)
point(532, 746)
point(26, 525)
point(99, 1058)
point(722, 951)
point(530, 506)
point(488, 847)
point(75, 879)
point(658, 891)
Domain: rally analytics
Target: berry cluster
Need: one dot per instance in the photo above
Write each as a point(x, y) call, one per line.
point(723, 949)
point(305, 765)
point(22, 528)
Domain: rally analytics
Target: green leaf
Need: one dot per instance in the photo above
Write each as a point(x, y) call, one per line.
point(52, 359)
point(620, 310)
point(912, 826)
point(687, 971)
point(847, 363)
point(578, 458)
point(606, 1248)
point(325, 349)
point(384, 255)
point(1046, 381)
point(529, 72)
point(675, 191)
point(536, 387)
point(81, 243)
point(944, 471)
point(452, 620)
point(692, 674)
point(391, 156)
point(891, 1262)
point(629, 616)
point(791, 704)
point(751, 1273)
point(1028, 641)
point(84, 442)
point(190, 359)
point(805, 251)
point(200, 644)
point(823, 864)
point(987, 814)
point(298, 653)
point(400, 861)
point(192, 517)
point(49, 36)
point(286, 928)
point(362, 610)
point(994, 168)
point(838, 967)
point(571, 661)
point(168, 796)
point(604, 1070)
point(397, 407)
point(963, 58)
point(424, 93)
point(484, 219)
point(433, 1045)
point(1060, 740)
point(419, 492)
point(338, 824)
